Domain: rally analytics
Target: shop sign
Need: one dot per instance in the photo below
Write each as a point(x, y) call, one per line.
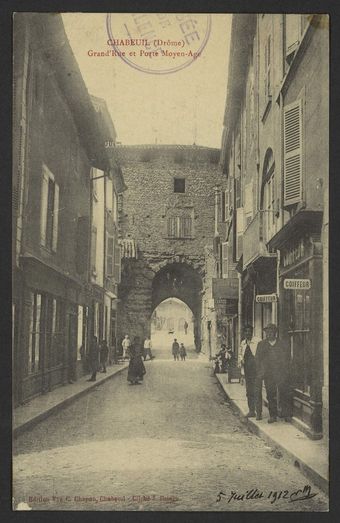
point(297, 284)
point(266, 298)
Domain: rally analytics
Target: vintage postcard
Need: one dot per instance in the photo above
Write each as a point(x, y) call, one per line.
point(170, 262)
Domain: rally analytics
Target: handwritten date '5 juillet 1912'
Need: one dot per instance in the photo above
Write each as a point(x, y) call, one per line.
point(273, 496)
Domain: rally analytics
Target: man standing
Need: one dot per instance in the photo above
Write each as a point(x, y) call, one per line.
point(147, 349)
point(273, 362)
point(247, 355)
point(93, 358)
point(175, 350)
point(104, 352)
point(186, 327)
point(126, 343)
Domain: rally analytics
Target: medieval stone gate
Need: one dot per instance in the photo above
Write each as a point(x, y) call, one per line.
point(166, 220)
point(148, 281)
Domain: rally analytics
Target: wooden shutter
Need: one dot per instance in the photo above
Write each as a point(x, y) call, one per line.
point(110, 251)
point(268, 66)
point(223, 196)
point(239, 232)
point(117, 262)
point(55, 218)
point(225, 260)
point(226, 205)
point(292, 32)
point(43, 207)
point(293, 153)
point(93, 248)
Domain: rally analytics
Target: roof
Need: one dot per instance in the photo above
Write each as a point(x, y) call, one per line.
point(49, 33)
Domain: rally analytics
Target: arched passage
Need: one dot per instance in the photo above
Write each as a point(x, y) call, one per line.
point(181, 281)
point(172, 318)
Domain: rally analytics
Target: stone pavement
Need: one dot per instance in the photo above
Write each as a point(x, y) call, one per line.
point(170, 444)
point(311, 457)
point(27, 415)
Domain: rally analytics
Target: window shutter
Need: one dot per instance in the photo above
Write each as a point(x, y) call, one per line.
point(293, 153)
point(223, 198)
point(117, 262)
point(227, 209)
point(292, 22)
point(110, 248)
point(43, 208)
point(93, 248)
point(269, 87)
point(55, 217)
point(225, 260)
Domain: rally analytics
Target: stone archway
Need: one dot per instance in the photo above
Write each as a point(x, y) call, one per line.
point(145, 283)
point(180, 280)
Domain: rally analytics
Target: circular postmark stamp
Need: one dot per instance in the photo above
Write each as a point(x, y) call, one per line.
point(158, 43)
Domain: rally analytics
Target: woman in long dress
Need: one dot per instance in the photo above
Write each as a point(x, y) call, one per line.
point(136, 369)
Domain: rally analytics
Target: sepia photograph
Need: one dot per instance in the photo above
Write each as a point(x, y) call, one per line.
point(170, 206)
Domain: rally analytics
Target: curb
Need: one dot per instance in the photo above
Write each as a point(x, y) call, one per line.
point(320, 481)
point(20, 429)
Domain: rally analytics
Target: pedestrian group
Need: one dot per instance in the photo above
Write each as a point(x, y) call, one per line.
point(266, 361)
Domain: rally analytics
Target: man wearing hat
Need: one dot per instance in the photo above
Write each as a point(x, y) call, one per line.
point(273, 364)
point(247, 354)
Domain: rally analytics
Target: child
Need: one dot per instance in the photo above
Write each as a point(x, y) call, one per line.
point(182, 352)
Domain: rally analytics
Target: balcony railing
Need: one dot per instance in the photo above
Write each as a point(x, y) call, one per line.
point(254, 245)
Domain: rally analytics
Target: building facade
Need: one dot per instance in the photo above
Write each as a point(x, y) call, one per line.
point(58, 143)
point(275, 161)
point(168, 218)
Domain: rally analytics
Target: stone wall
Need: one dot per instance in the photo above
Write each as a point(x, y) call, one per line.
point(149, 201)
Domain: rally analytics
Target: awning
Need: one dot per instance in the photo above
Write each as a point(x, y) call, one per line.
point(128, 248)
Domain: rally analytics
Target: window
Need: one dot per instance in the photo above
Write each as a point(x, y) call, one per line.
point(292, 137)
point(297, 306)
point(34, 362)
point(49, 210)
point(180, 227)
point(179, 185)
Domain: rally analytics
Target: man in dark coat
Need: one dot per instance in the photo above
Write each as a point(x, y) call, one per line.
point(175, 350)
point(273, 364)
point(247, 356)
point(104, 352)
point(93, 358)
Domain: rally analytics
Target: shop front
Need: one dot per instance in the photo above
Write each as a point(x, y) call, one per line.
point(225, 295)
point(301, 327)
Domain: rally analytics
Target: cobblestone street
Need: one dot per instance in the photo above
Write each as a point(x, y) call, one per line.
point(172, 443)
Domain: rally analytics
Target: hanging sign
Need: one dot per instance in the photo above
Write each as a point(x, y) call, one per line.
point(297, 284)
point(266, 298)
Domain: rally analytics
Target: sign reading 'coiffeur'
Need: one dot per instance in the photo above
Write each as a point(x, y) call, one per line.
point(297, 283)
point(266, 298)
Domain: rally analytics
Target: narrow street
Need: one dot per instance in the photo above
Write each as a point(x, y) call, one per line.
point(170, 444)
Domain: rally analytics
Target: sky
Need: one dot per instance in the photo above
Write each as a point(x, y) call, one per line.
point(184, 107)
